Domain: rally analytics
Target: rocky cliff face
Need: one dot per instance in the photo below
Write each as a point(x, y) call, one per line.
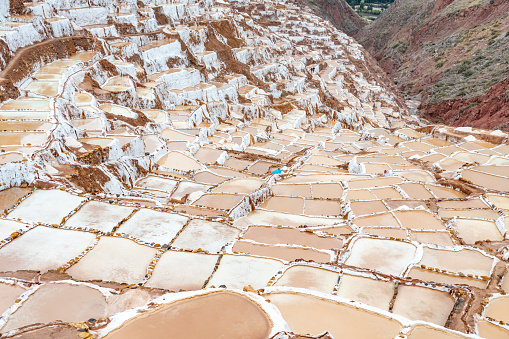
point(453, 54)
point(339, 13)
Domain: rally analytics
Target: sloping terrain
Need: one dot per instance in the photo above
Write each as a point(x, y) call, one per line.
point(242, 169)
point(451, 54)
point(338, 12)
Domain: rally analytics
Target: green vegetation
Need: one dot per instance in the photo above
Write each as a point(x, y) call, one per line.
point(469, 106)
point(369, 9)
point(465, 66)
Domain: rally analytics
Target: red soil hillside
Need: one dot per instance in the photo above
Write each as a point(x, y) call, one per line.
point(339, 13)
point(453, 55)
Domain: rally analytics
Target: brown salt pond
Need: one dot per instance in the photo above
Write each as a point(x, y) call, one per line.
point(327, 191)
point(430, 276)
point(284, 253)
point(284, 204)
point(382, 219)
point(177, 271)
point(295, 190)
point(219, 201)
point(419, 303)
point(436, 238)
point(419, 220)
point(207, 177)
point(386, 232)
point(498, 309)
point(207, 316)
point(367, 207)
point(421, 331)
point(207, 155)
point(474, 213)
point(25, 126)
point(464, 261)
point(10, 196)
point(445, 192)
point(313, 278)
point(270, 218)
point(492, 177)
point(416, 191)
point(386, 193)
point(272, 235)
point(8, 295)
point(307, 314)
point(372, 292)
point(237, 271)
point(207, 235)
point(178, 161)
point(386, 256)
point(114, 259)
point(322, 207)
point(472, 230)
point(488, 330)
point(59, 301)
point(23, 138)
point(243, 185)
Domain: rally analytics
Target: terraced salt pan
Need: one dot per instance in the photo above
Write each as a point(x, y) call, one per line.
point(489, 330)
point(98, 215)
point(237, 271)
point(465, 261)
point(118, 84)
point(371, 292)
point(472, 230)
point(47, 88)
point(47, 206)
point(23, 138)
point(422, 331)
point(114, 259)
point(308, 314)
point(270, 218)
point(281, 252)
point(386, 232)
point(7, 227)
point(498, 309)
point(418, 220)
point(419, 303)
point(207, 316)
point(177, 271)
point(302, 206)
point(58, 301)
point(382, 219)
point(430, 276)
point(153, 226)
point(207, 235)
point(474, 213)
point(219, 201)
point(313, 278)
point(367, 207)
point(26, 104)
point(8, 295)
point(43, 249)
point(271, 235)
point(436, 238)
point(187, 187)
point(157, 183)
point(179, 162)
point(492, 177)
point(499, 201)
point(244, 185)
point(386, 256)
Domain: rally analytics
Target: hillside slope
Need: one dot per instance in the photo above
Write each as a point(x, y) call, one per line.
point(453, 54)
point(339, 13)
